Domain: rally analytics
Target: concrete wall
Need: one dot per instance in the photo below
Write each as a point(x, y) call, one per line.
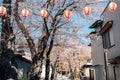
point(98, 57)
point(111, 72)
point(99, 72)
point(115, 16)
point(114, 72)
point(117, 72)
point(97, 51)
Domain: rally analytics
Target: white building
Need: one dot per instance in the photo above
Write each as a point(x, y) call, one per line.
point(105, 43)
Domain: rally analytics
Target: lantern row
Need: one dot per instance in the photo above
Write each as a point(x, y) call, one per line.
point(67, 13)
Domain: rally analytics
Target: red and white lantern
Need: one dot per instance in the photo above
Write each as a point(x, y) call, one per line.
point(87, 10)
point(3, 10)
point(67, 14)
point(25, 13)
point(43, 13)
point(112, 6)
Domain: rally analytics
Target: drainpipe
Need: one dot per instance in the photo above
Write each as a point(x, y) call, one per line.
point(106, 63)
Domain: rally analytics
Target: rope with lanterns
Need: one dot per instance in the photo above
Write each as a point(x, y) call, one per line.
point(112, 6)
point(67, 13)
point(2, 10)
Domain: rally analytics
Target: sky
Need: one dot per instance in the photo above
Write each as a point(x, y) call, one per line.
point(85, 21)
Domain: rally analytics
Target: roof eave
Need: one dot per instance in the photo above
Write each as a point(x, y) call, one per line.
point(96, 24)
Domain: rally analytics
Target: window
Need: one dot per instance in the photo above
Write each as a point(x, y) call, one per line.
point(108, 38)
point(107, 35)
point(112, 39)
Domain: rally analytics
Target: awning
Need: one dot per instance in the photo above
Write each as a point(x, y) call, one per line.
point(107, 26)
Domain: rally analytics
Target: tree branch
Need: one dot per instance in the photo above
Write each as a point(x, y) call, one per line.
point(24, 31)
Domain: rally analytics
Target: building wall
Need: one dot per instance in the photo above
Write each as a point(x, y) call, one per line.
point(98, 58)
point(99, 72)
point(113, 69)
point(111, 72)
point(114, 72)
point(115, 16)
point(97, 51)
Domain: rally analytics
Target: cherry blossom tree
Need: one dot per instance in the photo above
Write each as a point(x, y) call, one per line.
point(40, 33)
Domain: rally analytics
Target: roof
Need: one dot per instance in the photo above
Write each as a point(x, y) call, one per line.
point(24, 55)
point(96, 24)
point(105, 8)
point(93, 32)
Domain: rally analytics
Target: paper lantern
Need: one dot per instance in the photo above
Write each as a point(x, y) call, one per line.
point(25, 13)
point(87, 10)
point(67, 13)
point(112, 6)
point(43, 13)
point(3, 10)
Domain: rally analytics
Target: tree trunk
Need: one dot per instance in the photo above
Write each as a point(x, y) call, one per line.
point(8, 70)
point(47, 67)
point(54, 70)
point(54, 73)
point(48, 55)
point(36, 69)
point(6, 29)
point(72, 76)
point(24, 31)
point(72, 73)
